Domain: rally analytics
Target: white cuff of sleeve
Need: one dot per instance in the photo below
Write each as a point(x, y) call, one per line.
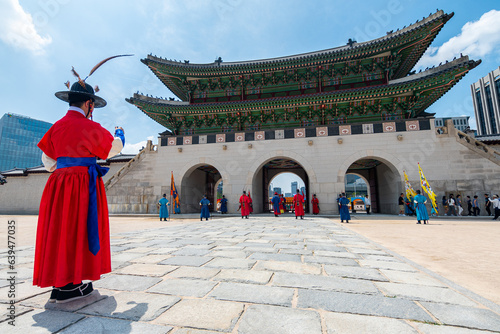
point(49, 163)
point(116, 147)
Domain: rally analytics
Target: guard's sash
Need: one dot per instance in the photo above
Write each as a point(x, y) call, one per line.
point(94, 171)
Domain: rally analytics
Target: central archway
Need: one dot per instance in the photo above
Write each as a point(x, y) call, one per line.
point(383, 182)
point(199, 180)
point(270, 169)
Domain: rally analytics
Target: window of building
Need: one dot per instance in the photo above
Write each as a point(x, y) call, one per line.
point(482, 123)
point(491, 112)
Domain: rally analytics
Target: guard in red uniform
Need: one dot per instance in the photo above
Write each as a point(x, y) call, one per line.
point(72, 242)
point(315, 203)
point(298, 204)
point(244, 205)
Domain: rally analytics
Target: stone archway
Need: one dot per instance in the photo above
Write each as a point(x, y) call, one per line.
point(267, 171)
point(384, 182)
point(199, 180)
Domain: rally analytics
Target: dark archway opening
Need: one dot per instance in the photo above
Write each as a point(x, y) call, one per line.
point(198, 181)
point(271, 169)
point(384, 183)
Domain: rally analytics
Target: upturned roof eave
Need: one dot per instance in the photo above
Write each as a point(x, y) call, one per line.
point(228, 65)
point(222, 105)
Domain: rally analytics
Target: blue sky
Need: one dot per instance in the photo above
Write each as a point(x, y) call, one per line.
point(41, 40)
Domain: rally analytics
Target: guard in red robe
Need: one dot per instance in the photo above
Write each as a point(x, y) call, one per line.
point(315, 204)
point(72, 241)
point(244, 205)
point(282, 204)
point(298, 204)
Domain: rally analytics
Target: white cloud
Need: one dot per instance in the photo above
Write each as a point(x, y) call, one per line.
point(135, 148)
point(477, 39)
point(18, 30)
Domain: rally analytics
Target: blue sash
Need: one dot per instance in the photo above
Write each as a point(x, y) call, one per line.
point(94, 171)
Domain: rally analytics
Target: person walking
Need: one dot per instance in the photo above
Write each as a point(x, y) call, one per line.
point(487, 204)
point(315, 204)
point(458, 202)
point(495, 204)
point(451, 206)
point(344, 208)
point(368, 204)
point(223, 205)
point(401, 203)
point(204, 204)
point(276, 204)
point(475, 206)
point(163, 203)
point(469, 206)
point(444, 201)
point(244, 205)
point(298, 204)
point(72, 239)
point(420, 208)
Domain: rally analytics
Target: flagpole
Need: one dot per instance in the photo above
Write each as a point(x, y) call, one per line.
point(171, 203)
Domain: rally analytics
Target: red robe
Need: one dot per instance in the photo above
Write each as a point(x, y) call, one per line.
point(282, 204)
point(62, 253)
point(245, 205)
point(315, 203)
point(298, 204)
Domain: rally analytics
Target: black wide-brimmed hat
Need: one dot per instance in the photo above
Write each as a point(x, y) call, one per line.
point(80, 93)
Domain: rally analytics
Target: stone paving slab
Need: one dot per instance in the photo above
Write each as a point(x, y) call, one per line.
point(291, 267)
point(464, 316)
point(279, 320)
point(16, 310)
point(104, 325)
point(411, 278)
point(42, 301)
point(40, 321)
point(243, 276)
point(346, 323)
point(275, 257)
point(253, 294)
point(387, 265)
point(126, 282)
point(194, 272)
point(191, 252)
point(150, 258)
point(331, 260)
point(439, 329)
point(336, 254)
point(23, 290)
point(355, 272)
point(425, 293)
point(209, 314)
point(131, 306)
point(184, 287)
point(194, 261)
point(143, 269)
point(317, 282)
point(236, 254)
point(362, 304)
point(225, 263)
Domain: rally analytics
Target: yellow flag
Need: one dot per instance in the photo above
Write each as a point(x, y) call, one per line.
point(427, 188)
point(409, 190)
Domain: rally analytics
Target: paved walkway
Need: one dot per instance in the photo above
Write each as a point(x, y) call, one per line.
point(261, 275)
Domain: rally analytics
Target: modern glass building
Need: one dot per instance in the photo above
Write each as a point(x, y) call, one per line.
point(461, 123)
point(486, 98)
point(18, 138)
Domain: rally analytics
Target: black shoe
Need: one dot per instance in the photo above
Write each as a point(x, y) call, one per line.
point(53, 295)
point(301, 217)
point(81, 291)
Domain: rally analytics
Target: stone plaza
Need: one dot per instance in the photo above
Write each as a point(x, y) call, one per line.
point(261, 275)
